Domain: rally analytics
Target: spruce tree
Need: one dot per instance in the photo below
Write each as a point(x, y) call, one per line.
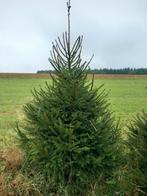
point(69, 133)
point(137, 164)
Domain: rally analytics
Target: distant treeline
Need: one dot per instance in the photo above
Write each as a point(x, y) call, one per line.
point(139, 71)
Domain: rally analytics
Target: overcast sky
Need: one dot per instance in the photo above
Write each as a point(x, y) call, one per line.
point(114, 30)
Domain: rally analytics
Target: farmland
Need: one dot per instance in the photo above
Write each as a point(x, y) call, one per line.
point(127, 95)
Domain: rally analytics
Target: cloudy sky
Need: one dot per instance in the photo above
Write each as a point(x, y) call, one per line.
point(114, 30)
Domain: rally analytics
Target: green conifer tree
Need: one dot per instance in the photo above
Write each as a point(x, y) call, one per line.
point(69, 133)
point(137, 164)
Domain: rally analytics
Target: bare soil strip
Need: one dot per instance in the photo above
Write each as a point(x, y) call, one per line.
point(46, 76)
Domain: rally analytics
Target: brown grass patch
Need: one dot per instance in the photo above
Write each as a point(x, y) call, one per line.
point(12, 181)
point(117, 76)
point(2, 185)
point(24, 75)
point(16, 184)
point(13, 158)
point(47, 76)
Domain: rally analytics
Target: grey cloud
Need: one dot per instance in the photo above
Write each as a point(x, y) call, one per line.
point(114, 30)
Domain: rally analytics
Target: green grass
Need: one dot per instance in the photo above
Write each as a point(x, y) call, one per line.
point(126, 95)
point(15, 92)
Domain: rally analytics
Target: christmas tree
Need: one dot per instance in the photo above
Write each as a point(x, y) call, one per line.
point(137, 164)
point(69, 133)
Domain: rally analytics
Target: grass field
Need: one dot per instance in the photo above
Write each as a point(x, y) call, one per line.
point(127, 95)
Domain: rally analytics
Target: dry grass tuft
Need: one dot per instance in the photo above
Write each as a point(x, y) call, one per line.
point(21, 186)
point(2, 185)
point(2, 179)
point(12, 182)
point(13, 158)
point(2, 193)
point(16, 185)
point(17, 181)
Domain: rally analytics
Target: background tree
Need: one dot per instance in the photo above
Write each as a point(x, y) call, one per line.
point(137, 164)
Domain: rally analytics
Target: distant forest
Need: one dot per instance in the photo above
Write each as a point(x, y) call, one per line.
point(139, 71)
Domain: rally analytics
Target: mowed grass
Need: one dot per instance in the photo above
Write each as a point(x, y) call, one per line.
point(127, 96)
point(14, 93)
